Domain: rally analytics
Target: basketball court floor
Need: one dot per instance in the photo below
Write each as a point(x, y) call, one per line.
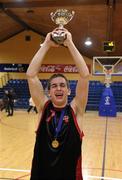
point(101, 148)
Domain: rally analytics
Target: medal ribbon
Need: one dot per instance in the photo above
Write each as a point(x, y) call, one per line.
point(58, 128)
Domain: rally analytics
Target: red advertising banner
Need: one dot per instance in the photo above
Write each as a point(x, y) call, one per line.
point(45, 68)
point(59, 68)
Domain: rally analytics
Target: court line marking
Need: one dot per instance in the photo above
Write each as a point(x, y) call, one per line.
point(104, 148)
point(100, 177)
point(116, 170)
point(85, 176)
point(15, 170)
point(17, 178)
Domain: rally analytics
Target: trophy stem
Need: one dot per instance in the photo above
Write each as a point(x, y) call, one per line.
point(61, 26)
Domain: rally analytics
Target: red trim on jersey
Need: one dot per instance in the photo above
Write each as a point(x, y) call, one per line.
point(46, 104)
point(78, 170)
point(76, 124)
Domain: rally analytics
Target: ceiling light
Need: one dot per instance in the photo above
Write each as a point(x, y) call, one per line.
point(88, 41)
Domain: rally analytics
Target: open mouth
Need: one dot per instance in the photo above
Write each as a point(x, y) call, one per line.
point(59, 96)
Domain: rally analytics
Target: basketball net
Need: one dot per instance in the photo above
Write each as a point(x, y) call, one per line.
point(108, 80)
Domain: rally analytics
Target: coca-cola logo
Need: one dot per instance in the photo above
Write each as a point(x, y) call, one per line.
point(58, 68)
point(47, 68)
point(70, 68)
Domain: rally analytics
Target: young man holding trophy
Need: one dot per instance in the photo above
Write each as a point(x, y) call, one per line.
point(57, 152)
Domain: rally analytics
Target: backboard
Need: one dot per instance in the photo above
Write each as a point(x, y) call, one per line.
point(110, 64)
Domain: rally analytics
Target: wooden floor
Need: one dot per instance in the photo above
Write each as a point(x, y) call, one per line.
point(102, 146)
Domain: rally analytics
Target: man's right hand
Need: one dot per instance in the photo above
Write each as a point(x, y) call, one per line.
point(49, 42)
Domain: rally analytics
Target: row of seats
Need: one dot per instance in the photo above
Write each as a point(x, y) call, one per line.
point(95, 91)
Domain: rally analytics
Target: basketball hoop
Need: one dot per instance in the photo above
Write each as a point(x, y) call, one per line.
point(108, 79)
point(107, 71)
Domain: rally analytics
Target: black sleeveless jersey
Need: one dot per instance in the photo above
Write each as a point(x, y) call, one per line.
point(62, 162)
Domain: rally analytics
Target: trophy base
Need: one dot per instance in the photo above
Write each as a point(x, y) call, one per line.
point(58, 38)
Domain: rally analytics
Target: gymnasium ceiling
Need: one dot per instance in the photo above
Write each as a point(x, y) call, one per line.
point(98, 19)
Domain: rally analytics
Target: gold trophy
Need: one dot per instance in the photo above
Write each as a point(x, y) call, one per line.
point(61, 17)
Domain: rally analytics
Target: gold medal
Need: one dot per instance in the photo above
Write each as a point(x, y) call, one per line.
point(55, 143)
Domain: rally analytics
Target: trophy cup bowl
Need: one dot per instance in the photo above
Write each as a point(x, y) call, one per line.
point(60, 17)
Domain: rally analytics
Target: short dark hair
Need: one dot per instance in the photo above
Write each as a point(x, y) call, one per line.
point(55, 76)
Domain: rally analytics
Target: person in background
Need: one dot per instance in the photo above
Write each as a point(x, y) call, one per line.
point(31, 106)
point(57, 151)
point(2, 106)
point(8, 98)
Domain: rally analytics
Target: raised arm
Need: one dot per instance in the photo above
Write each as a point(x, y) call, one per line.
point(35, 86)
point(80, 100)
